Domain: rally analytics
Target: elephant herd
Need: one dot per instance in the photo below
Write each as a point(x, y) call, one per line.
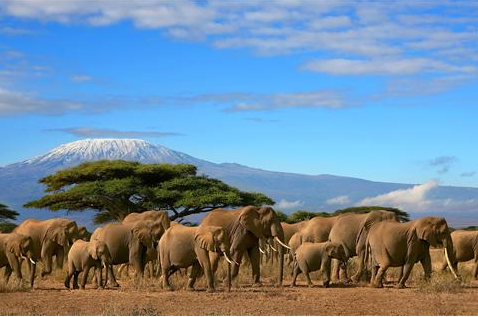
point(377, 239)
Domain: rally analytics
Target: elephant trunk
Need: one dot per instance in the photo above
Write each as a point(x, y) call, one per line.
point(229, 277)
point(278, 234)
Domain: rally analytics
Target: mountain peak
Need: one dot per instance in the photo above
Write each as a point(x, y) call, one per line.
point(109, 149)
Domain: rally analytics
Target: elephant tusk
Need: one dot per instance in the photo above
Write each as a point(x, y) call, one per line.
point(262, 251)
point(23, 257)
point(282, 243)
point(270, 245)
point(33, 262)
point(227, 259)
point(449, 264)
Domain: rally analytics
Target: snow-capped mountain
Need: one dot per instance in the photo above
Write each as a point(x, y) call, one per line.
point(19, 182)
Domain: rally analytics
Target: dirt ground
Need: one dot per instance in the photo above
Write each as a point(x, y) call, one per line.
point(442, 296)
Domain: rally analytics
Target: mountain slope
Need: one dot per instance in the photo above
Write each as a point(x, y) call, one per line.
point(18, 182)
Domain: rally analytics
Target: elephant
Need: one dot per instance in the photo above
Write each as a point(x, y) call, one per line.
point(50, 238)
point(394, 244)
point(127, 243)
point(84, 234)
point(182, 247)
point(245, 226)
point(311, 257)
point(13, 248)
point(163, 223)
point(465, 246)
point(82, 256)
point(351, 230)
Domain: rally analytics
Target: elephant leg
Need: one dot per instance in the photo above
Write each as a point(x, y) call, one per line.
point(166, 273)
point(68, 279)
point(204, 261)
point(98, 272)
point(361, 266)
point(336, 270)
point(374, 273)
point(255, 265)
point(295, 273)
point(407, 269)
point(75, 279)
point(379, 277)
point(193, 275)
point(343, 269)
point(112, 276)
point(307, 277)
point(426, 262)
point(7, 273)
point(86, 271)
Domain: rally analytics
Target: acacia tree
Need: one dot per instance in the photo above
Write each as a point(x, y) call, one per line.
point(116, 188)
point(401, 215)
point(7, 214)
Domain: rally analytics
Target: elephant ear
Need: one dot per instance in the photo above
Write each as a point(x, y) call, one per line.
point(372, 218)
point(425, 231)
point(14, 247)
point(205, 239)
point(250, 220)
point(56, 234)
point(93, 249)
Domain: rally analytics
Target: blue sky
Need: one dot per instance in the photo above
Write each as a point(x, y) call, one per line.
point(378, 90)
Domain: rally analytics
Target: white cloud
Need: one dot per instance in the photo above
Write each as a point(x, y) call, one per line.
point(80, 78)
point(339, 200)
point(284, 204)
point(384, 67)
point(415, 196)
point(89, 132)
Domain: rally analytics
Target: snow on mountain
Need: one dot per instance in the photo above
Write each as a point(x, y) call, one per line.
point(19, 181)
point(110, 149)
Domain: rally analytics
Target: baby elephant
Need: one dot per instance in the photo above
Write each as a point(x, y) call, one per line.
point(84, 255)
point(311, 257)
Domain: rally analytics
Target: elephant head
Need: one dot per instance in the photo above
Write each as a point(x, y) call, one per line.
point(248, 221)
point(213, 239)
point(98, 250)
point(336, 251)
point(57, 234)
point(435, 231)
point(21, 247)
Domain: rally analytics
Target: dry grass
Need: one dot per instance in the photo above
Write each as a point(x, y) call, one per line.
point(441, 295)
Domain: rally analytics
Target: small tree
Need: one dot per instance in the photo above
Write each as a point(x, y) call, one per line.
point(5, 215)
point(116, 188)
point(402, 215)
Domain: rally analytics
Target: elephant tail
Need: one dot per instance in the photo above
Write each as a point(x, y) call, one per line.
point(367, 253)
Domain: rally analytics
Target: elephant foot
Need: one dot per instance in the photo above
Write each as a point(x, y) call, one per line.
point(190, 288)
point(375, 285)
point(310, 285)
point(211, 290)
point(82, 287)
point(326, 284)
point(401, 286)
point(292, 285)
point(115, 284)
point(355, 279)
point(75, 287)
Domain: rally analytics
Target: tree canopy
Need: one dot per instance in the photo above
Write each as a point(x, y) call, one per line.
point(7, 214)
point(116, 188)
